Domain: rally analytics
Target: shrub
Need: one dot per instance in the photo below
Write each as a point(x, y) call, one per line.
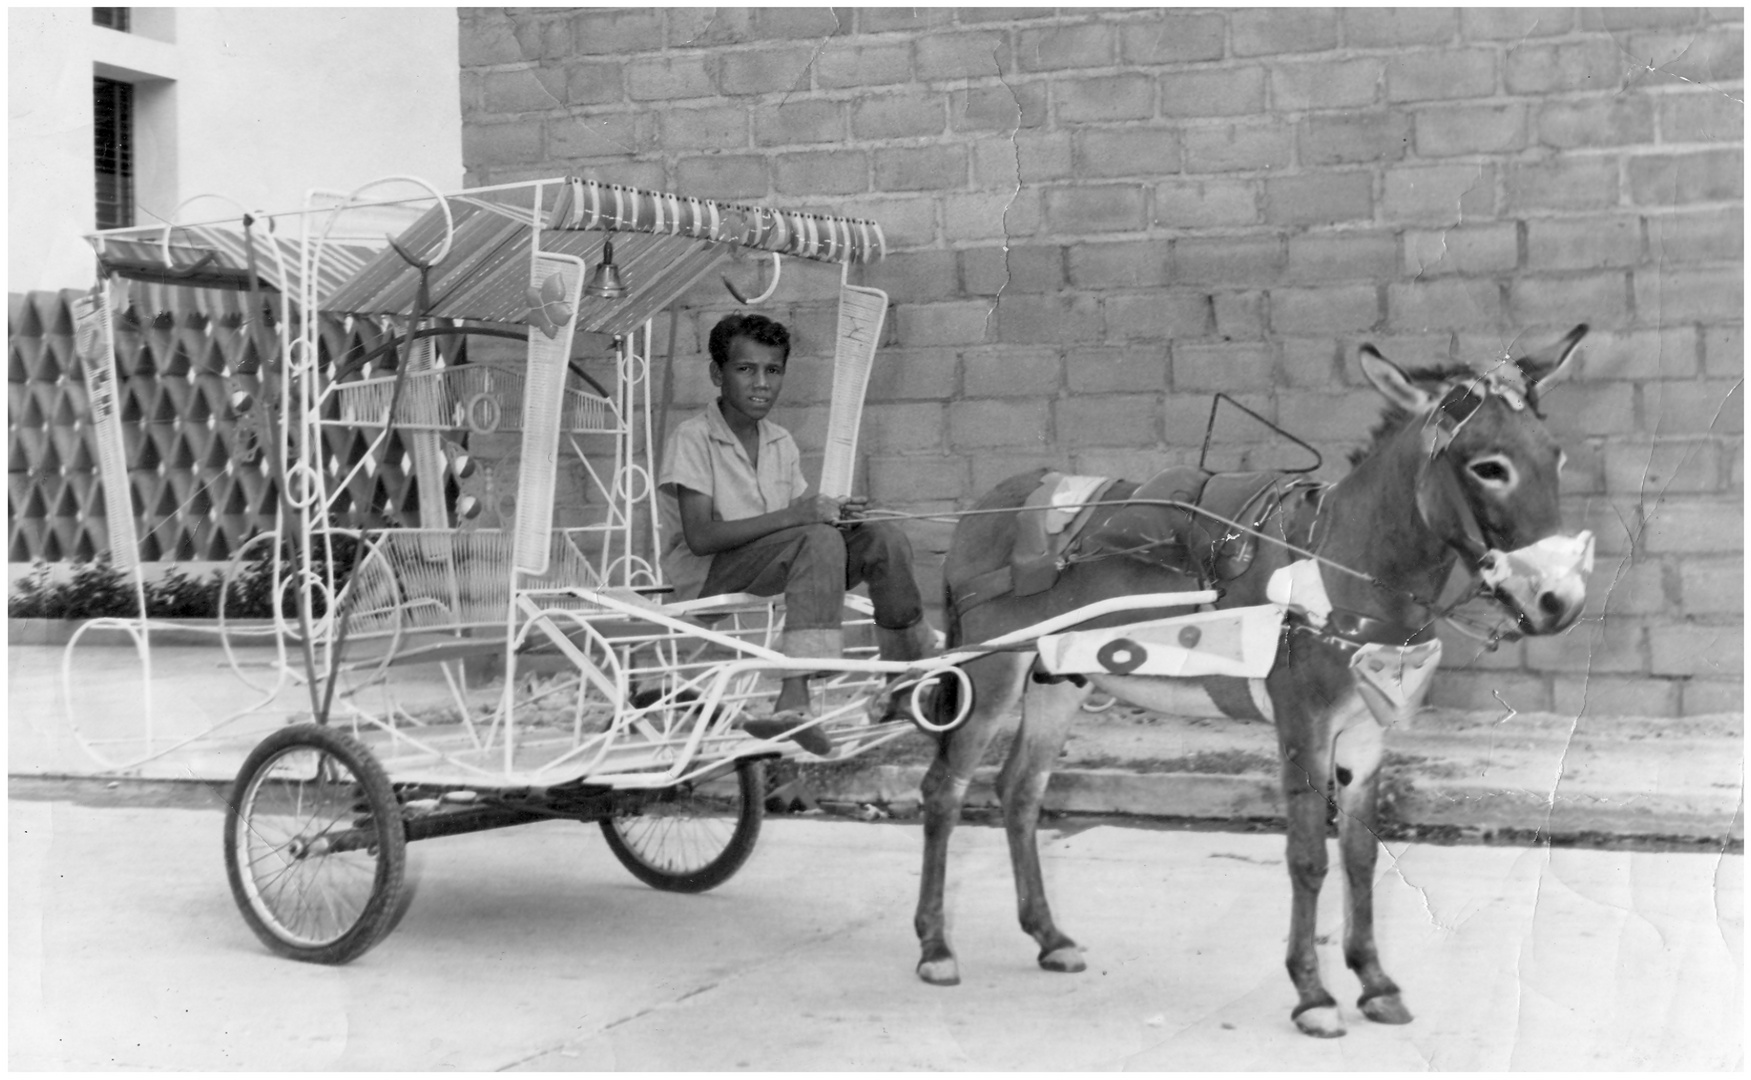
point(94, 590)
point(178, 596)
point(97, 589)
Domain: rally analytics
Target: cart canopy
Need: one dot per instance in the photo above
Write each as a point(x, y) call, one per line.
point(663, 244)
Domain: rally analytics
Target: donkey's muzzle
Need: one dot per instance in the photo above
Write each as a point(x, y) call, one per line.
point(1543, 584)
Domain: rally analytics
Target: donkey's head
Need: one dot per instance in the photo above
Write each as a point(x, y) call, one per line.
point(1487, 478)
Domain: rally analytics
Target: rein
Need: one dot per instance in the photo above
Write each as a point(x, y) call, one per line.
point(1457, 407)
point(1174, 504)
point(948, 517)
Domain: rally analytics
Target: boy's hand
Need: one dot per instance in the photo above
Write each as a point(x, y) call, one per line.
point(816, 509)
point(852, 509)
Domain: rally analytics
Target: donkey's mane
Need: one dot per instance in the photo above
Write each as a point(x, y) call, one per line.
point(1393, 417)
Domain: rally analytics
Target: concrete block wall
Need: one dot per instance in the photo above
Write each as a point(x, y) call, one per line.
point(1098, 218)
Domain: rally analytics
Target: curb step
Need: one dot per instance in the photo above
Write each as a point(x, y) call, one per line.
point(1447, 771)
point(1464, 806)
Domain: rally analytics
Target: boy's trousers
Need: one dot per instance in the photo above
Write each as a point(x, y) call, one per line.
point(813, 566)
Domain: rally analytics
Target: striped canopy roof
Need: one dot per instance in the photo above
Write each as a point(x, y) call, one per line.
point(662, 243)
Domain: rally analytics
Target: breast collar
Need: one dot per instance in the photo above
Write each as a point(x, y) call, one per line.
point(1342, 627)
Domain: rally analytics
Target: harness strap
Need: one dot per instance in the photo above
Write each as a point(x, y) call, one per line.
point(1348, 629)
point(984, 588)
point(1269, 498)
point(1455, 409)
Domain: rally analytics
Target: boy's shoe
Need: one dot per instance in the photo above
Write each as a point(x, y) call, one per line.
point(787, 724)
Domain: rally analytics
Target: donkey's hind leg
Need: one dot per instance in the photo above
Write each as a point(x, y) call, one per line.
point(1359, 752)
point(996, 684)
point(1045, 723)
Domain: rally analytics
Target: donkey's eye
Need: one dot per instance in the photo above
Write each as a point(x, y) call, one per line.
point(1492, 471)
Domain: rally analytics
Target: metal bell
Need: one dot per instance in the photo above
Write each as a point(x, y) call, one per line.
point(605, 278)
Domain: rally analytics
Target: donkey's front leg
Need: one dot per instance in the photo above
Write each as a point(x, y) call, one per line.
point(1357, 767)
point(1046, 714)
point(995, 687)
point(1305, 772)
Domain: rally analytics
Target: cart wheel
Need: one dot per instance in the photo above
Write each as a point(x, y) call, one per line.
point(314, 876)
point(688, 839)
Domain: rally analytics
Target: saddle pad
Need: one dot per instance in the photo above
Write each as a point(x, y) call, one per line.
point(1068, 496)
point(1040, 537)
point(1239, 642)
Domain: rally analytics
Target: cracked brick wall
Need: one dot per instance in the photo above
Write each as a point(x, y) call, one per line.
point(1097, 218)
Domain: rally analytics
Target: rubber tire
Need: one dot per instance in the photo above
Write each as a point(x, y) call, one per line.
point(381, 909)
point(634, 850)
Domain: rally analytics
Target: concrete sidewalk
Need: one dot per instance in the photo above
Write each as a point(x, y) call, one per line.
point(1469, 773)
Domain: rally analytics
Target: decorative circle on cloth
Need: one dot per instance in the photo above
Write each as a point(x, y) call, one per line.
point(1121, 656)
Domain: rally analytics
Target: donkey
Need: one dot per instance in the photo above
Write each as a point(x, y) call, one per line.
point(1460, 468)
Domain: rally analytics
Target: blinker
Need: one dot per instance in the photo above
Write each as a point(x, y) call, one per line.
point(1459, 404)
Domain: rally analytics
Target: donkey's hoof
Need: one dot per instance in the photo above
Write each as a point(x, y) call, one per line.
point(1065, 958)
point(940, 972)
point(1322, 1022)
point(1385, 1009)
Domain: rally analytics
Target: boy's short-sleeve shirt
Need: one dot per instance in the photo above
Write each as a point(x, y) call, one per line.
point(703, 454)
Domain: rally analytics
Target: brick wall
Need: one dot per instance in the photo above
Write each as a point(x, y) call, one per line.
point(1097, 218)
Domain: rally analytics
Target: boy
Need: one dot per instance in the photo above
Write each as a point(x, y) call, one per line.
point(737, 519)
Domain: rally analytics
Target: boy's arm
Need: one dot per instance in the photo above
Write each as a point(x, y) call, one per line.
point(707, 537)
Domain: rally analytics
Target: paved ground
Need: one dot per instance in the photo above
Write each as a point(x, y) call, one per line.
point(532, 949)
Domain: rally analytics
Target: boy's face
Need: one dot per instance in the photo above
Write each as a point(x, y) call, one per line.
point(751, 379)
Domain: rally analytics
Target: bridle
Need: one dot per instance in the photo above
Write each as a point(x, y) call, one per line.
point(1450, 415)
point(1457, 407)
point(1440, 428)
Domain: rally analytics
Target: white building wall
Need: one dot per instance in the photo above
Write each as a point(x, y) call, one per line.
point(259, 105)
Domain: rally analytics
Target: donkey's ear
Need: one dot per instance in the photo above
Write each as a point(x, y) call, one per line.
point(1547, 367)
point(1393, 384)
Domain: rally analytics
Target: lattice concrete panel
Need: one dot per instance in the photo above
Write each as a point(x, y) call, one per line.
point(197, 473)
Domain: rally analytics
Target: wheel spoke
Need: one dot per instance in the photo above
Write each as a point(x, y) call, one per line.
point(300, 790)
point(687, 840)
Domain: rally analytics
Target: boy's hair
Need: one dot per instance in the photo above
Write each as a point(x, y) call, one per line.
point(756, 328)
